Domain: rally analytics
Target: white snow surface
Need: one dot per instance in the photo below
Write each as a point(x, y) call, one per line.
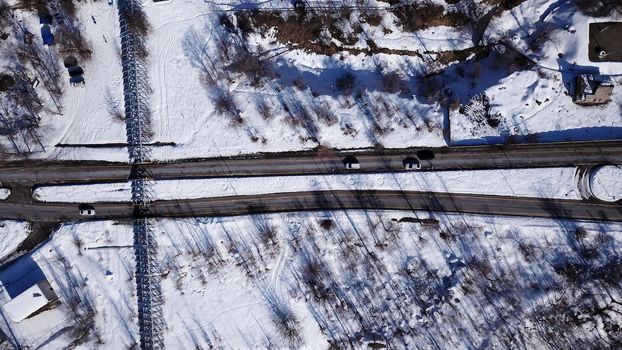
point(184, 113)
point(12, 233)
point(557, 14)
point(542, 182)
point(4, 193)
point(606, 183)
point(218, 276)
point(530, 102)
point(91, 263)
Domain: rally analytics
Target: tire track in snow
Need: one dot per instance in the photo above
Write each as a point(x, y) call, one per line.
point(162, 61)
point(274, 278)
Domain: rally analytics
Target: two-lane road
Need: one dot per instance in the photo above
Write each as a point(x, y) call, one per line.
point(308, 163)
point(329, 200)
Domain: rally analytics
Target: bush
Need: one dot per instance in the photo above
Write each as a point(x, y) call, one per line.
point(225, 21)
point(345, 83)
point(137, 23)
point(300, 84)
point(326, 224)
point(265, 230)
point(264, 110)
point(324, 114)
point(284, 319)
point(425, 13)
point(573, 272)
point(431, 88)
point(225, 105)
point(245, 25)
point(392, 82)
point(252, 66)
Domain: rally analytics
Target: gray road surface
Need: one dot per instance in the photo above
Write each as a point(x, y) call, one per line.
point(306, 163)
point(324, 200)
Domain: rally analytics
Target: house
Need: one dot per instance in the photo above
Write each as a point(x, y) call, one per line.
point(30, 301)
point(592, 89)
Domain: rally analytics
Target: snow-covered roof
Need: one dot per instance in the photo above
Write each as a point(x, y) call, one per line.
point(29, 301)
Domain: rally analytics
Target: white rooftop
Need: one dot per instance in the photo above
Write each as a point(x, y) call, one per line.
point(29, 301)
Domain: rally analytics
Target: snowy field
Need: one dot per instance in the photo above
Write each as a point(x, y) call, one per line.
point(12, 233)
point(542, 183)
point(297, 98)
point(92, 272)
point(85, 117)
point(535, 103)
point(186, 112)
point(348, 278)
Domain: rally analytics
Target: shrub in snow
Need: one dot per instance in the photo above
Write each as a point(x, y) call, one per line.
point(478, 111)
point(284, 319)
point(225, 105)
point(345, 83)
point(137, 22)
point(324, 114)
point(264, 230)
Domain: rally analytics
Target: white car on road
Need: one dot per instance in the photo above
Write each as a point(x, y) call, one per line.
point(86, 210)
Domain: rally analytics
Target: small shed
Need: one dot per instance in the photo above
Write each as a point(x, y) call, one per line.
point(30, 301)
point(46, 35)
point(591, 89)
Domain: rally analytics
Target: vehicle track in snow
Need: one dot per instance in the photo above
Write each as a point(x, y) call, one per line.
point(165, 39)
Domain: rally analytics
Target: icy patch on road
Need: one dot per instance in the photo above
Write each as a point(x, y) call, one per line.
point(4, 193)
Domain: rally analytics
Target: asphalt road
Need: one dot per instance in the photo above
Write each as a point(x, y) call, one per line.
point(307, 163)
point(324, 200)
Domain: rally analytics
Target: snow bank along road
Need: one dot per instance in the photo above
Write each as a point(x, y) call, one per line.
point(329, 200)
point(308, 163)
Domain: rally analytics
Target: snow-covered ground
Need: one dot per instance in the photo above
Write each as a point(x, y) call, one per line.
point(185, 113)
point(606, 183)
point(12, 233)
point(542, 182)
point(535, 101)
point(569, 34)
point(529, 102)
point(302, 280)
point(91, 269)
point(4, 193)
point(85, 117)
